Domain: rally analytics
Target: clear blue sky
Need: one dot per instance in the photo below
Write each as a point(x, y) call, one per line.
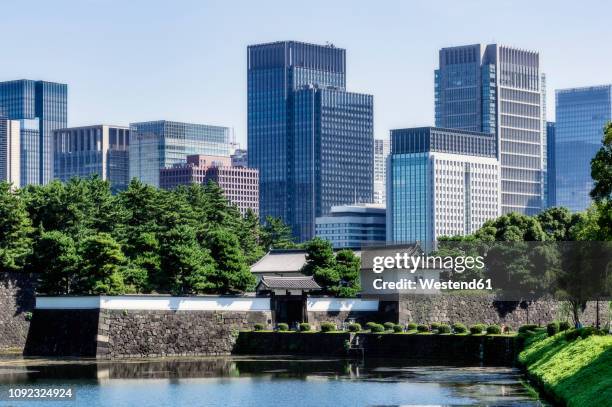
point(127, 61)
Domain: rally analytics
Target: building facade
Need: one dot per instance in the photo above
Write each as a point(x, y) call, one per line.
point(499, 90)
point(581, 114)
point(551, 170)
point(40, 107)
point(161, 144)
point(353, 225)
point(240, 158)
point(103, 150)
point(311, 140)
point(240, 184)
point(381, 152)
point(10, 139)
point(442, 182)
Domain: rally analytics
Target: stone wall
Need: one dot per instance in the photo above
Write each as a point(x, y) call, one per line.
point(470, 309)
point(16, 300)
point(143, 333)
point(292, 343)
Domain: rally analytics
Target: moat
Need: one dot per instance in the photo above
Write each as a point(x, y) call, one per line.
point(247, 381)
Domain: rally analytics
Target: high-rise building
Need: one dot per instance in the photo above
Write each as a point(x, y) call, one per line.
point(84, 151)
point(240, 158)
point(499, 90)
point(581, 114)
point(550, 158)
point(40, 107)
point(442, 182)
point(381, 152)
point(353, 225)
point(240, 184)
point(311, 140)
point(161, 144)
point(10, 139)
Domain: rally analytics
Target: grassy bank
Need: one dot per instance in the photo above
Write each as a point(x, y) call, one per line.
point(572, 370)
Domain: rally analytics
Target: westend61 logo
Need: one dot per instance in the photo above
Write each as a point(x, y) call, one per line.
point(426, 282)
point(512, 271)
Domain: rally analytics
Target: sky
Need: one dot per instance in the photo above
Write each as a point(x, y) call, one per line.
point(131, 60)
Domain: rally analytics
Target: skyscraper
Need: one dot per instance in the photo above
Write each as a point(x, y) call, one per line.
point(442, 182)
point(381, 152)
point(550, 158)
point(581, 116)
point(161, 144)
point(311, 140)
point(40, 107)
point(499, 90)
point(9, 151)
point(85, 151)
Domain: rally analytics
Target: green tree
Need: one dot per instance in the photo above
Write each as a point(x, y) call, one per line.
point(102, 265)
point(15, 230)
point(556, 223)
point(250, 235)
point(601, 168)
point(348, 266)
point(276, 234)
point(232, 274)
point(187, 266)
point(321, 263)
point(56, 261)
point(601, 172)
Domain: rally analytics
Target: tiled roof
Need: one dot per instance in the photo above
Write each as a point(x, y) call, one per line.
point(289, 283)
point(283, 261)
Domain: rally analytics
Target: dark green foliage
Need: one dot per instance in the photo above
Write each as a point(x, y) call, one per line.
point(377, 328)
point(444, 329)
point(56, 261)
point(282, 327)
point(82, 239)
point(434, 325)
point(338, 273)
point(258, 327)
point(370, 324)
point(388, 326)
point(552, 328)
point(527, 327)
point(459, 328)
point(422, 328)
point(564, 326)
point(275, 234)
point(231, 273)
point(477, 329)
point(411, 326)
point(328, 326)
point(15, 230)
point(397, 328)
point(354, 327)
point(494, 330)
point(304, 327)
point(582, 333)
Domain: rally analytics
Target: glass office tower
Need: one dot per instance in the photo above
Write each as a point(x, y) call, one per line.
point(161, 144)
point(84, 151)
point(499, 90)
point(581, 116)
point(441, 182)
point(41, 107)
point(10, 140)
point(310, 139)
point(550, 154)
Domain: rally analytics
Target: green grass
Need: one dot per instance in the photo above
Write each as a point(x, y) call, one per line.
point(576, 373)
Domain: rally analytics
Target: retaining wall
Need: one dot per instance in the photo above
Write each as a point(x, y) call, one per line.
point(16, 300)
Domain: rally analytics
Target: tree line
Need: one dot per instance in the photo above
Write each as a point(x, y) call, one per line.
point(79, 238)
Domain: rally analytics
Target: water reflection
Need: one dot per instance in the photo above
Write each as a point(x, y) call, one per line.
point(416, 381)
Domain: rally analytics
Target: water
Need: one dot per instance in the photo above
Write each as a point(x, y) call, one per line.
point(245, 382)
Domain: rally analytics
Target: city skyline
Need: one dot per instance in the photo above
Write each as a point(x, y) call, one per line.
point(202, 80)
